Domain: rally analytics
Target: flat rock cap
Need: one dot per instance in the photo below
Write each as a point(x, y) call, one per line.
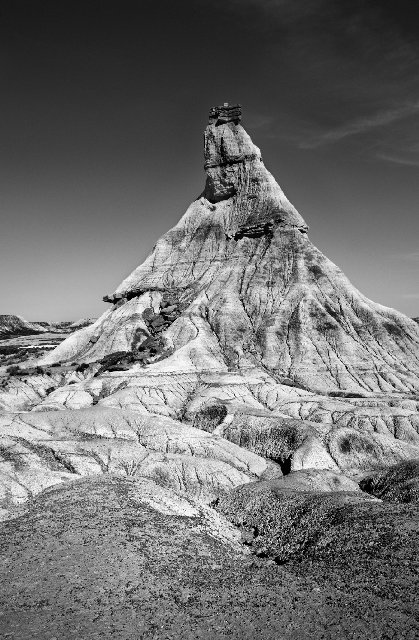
point(225, 113)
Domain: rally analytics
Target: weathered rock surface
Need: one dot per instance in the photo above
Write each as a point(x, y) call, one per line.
point(296, 443)
point(113, 558)
point(236, 307)
point(399, 483)
point(40, 449)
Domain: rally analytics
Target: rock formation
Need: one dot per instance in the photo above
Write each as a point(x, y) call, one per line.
point(237, 286)
point(237, 325)
point(236, 369)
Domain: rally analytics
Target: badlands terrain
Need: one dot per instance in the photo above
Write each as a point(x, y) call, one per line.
point(230, 450)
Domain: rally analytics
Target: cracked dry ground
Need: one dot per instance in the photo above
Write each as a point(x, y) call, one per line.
point(92, 559)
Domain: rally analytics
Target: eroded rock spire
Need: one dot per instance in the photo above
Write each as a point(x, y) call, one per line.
point(237, 285)
point(235, 168)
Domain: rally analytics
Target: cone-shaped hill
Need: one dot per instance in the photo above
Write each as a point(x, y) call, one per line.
point(237, 285)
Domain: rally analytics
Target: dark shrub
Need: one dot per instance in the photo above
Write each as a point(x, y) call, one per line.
point(210, 417)
point(393, 328)
point(13, 370)
point(315, 270)
point(8, 350)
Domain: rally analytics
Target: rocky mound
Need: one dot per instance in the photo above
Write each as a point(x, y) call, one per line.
point(38, 450)
point(348, 438)
point(342, 537)
point(113, 558)
point(399, 483)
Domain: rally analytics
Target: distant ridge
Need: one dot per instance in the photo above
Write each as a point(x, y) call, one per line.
point(11, 326)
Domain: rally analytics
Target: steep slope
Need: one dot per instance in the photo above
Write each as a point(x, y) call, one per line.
point(237, 285)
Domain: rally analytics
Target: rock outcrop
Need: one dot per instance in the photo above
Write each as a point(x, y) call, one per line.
point(349, 541)
point(41, 449)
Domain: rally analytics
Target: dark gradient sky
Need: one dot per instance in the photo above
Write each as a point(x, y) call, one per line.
point(103, 108)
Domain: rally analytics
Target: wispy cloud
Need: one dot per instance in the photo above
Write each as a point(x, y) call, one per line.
point(398, 160)
point(362, 125)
